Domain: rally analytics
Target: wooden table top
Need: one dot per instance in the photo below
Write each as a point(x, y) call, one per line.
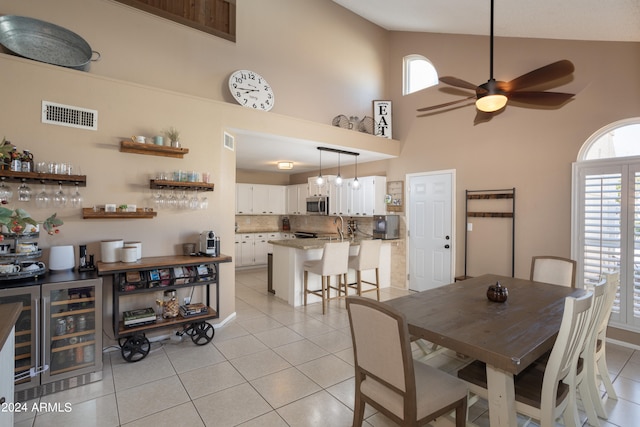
point(508, 336)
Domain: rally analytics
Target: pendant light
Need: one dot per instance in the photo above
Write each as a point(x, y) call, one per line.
point(338, 181)
point(320, 178)
point(356, 184)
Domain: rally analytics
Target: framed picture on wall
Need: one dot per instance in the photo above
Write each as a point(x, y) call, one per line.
point(382, 118)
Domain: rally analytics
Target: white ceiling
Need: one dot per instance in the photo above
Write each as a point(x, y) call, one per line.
point(261, 152)
point(606, 20)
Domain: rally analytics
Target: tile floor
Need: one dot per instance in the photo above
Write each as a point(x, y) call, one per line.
point(272, 366)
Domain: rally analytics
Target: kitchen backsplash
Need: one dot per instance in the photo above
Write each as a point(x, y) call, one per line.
point(321, 224)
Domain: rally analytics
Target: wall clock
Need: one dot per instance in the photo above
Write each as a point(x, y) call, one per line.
point(251, 90)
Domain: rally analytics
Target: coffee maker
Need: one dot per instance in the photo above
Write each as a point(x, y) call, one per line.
point(209, 243)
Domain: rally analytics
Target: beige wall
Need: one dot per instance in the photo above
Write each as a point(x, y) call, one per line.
point(156, 73)
point(530, 149)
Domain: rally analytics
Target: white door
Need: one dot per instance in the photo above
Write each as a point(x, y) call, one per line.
point(430, 230)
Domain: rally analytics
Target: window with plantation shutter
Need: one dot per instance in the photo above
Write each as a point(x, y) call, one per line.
point(606, 217)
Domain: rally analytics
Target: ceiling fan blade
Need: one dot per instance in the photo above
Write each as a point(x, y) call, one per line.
point(446, 104)
point(541, 75)
point(545, 99)
point(454, 81)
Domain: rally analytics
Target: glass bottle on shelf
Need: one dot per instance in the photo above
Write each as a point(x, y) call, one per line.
point(170, 306)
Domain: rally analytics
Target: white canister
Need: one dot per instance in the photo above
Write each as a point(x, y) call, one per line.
point(110, 250)
point(138, 246)
point(128, 254)
point(61, 258)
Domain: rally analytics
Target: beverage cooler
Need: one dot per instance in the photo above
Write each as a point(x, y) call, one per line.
point(58, 335)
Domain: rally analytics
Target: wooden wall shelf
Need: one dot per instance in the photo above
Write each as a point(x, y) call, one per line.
point(89, 213)
point(43, 178)
point(152, 149)
point(193, 186)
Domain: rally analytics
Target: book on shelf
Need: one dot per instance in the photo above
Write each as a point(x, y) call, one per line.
point(193, 309)
point(139, 316)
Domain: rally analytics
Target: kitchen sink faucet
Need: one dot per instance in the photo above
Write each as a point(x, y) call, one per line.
point(340, 231)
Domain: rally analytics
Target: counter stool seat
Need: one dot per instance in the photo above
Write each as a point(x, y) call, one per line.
point(334, 262)
point(368, 258)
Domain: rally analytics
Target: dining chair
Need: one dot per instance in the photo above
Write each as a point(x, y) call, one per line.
point(368, 258)
point(334, 262)
point(554, 270)
point(596, 362)
point(582, 379)
point(386, 377)
point(542, 391)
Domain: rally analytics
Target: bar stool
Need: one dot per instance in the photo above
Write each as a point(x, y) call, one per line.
point(368, 258)
point(334, 262)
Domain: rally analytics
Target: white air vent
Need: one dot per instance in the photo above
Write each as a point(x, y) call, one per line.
point(67, 115)
point(229, 141)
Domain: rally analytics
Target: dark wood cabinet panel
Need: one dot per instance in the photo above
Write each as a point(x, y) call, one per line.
point(217, 17)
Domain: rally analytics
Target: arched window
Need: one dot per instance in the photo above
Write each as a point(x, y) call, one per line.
point(418, 73)
point(619, 139)
point(606, 215)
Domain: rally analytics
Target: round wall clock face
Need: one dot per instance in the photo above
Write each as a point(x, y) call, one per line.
point(251, 90)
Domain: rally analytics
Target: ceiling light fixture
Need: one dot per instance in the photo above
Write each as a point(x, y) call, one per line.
point(338, 180)
point(493, 100)
point(285, 165)
point(320, 179)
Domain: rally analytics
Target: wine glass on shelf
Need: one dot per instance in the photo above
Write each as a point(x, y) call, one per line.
point(5, 193)
point(194, 201)
point(24, 192)
point(59, 198)
point(76, 198)
point(42, 198)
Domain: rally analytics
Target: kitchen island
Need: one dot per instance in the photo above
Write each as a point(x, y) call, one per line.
point(290, 255)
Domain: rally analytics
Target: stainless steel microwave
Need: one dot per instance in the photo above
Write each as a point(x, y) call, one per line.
point(318, 205)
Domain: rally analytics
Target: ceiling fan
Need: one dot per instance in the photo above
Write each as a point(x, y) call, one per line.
point(492, 96)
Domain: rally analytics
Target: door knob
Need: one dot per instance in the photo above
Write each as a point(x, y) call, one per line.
point(446, 246)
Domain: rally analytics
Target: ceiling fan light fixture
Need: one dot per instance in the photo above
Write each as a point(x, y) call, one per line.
point(491, 103)
point(285, 165)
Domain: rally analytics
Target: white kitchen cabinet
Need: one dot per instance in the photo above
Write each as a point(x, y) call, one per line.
point(338, 198)
point(368, 200)
point(244, 199)
point(277, 203)
point(319, 190)
point(273, 236)
point(246, 255)
point(260, 199)
point(260, 248)
point(269, 199)
point(297, 199)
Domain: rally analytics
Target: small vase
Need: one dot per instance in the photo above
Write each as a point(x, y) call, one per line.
point(175, 144)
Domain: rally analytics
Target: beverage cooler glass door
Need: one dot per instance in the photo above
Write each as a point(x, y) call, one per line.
point(27, 354)
point(72, 328)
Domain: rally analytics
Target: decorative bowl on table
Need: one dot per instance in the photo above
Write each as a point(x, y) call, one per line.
point(497, 293)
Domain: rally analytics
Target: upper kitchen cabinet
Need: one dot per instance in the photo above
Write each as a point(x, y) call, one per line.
point(269, 199)
point(320, 190)
point(260, 199)
point(297, 199)
point(338, 197)
point(368, 200)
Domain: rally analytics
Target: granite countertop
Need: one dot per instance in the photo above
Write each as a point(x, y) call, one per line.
point(306, 244)
point(9, 314)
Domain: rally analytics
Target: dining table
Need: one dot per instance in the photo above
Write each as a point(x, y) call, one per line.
point(507, 336)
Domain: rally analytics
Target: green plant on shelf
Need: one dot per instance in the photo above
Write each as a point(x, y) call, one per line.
point(16, 221)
